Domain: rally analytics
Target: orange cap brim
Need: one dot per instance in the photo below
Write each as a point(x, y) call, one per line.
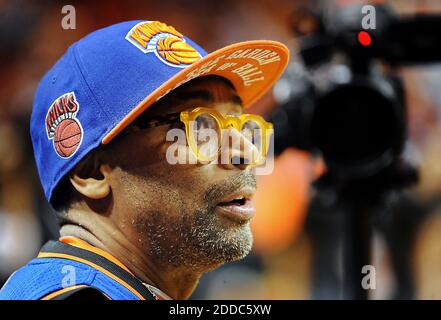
point(252, 67)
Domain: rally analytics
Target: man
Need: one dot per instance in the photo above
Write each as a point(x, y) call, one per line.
point(143, 215)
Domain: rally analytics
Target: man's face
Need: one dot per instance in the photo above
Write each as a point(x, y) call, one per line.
point(178, 214)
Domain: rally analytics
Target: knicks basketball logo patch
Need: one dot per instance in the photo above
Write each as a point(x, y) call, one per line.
point(165, 42)
point(62, 126)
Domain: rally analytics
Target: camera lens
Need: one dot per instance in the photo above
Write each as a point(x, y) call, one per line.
point(357, 128)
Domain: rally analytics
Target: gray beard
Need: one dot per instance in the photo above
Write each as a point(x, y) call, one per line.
point(198, 242)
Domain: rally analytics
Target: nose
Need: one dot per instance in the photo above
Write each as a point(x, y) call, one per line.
point(236, 150)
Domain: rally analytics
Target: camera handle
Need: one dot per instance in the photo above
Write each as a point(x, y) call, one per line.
point(359, 201)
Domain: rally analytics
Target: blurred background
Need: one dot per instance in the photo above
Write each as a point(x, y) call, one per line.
point(298, 237)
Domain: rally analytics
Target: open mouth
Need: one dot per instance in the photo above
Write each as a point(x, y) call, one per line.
point(239, 209)
point(235, 202)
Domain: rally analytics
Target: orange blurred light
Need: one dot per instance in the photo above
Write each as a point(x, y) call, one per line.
point(281, 201)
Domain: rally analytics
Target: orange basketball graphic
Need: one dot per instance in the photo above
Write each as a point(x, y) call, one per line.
point(169, 45)
point(175, 51)
point(144, 32)
point(67, 137)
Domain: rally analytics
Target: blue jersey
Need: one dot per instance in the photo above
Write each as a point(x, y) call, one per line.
point(62, 270)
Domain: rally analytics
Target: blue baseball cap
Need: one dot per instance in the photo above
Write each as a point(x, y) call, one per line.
point(108, 78)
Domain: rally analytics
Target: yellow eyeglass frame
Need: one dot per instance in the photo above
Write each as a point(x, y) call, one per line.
point(224, 122)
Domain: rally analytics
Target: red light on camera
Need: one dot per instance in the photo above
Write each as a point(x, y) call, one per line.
point(364, 38)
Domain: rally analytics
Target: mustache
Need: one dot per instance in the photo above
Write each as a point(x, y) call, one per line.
point(217, 191)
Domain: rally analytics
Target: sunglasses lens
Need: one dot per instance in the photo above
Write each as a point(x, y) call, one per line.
point(251, 130)
point(206, 133)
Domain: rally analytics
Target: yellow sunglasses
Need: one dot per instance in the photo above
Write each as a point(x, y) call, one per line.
point(253, 127)
point(205, 129)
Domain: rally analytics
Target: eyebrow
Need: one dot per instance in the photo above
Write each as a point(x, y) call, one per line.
point(203, 95)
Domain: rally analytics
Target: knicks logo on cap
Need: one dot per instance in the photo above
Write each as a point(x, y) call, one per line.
point(62, 126)
point(165, 42)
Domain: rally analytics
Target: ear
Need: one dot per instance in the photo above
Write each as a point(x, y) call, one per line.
point(91, 179)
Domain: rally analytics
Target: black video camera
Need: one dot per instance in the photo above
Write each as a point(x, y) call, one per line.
point(348, 105)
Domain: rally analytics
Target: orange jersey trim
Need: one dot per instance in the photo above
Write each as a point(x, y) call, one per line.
point(93, 265)
point(61, 291)
point(76, 242)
